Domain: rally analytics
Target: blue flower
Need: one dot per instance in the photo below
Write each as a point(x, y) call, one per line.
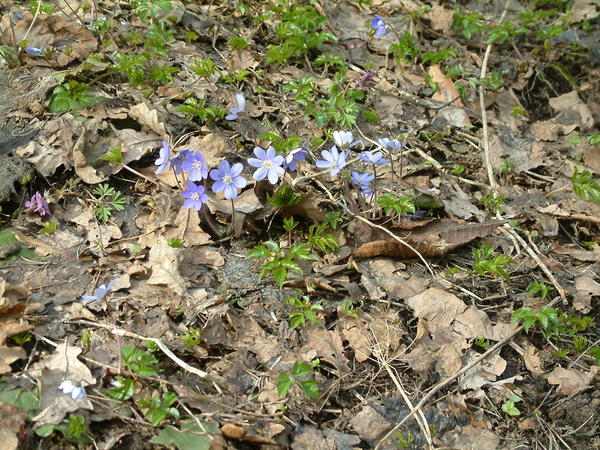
point(333, 160)
point(391, 143)
point(241, 107)
point(68, 387)
point(379, 26)
point(268, 163)
point(373, 157)
point(195, 164)
point(99, 293)
point(163, 158)
point(293, 158)
point(194, 196)
point(228, 179)
point(363, 181)
point(34, 51)
point(177, 160)
point(343, 139)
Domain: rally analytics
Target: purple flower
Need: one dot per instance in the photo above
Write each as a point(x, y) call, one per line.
point(195, 164)
point(163, 158)
point(391, 143)
point(39, 204)
point(241, 107)
point(293, 158)
point(268, 163)
point(178, 159)
point(99, 293)
point(363, 181)
point(343, 139)
point(379, 26)
point(333, 160)
point(228, 179)
point(364, 80)
point(68, 387)
point(194, 196)
point(34, 51)
point(373, 157)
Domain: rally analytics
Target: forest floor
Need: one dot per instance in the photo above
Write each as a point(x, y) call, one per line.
point(430, 282)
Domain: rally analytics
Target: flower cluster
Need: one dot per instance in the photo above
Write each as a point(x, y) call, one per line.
point(268, 164)
point(68, 387)
point(38, 204)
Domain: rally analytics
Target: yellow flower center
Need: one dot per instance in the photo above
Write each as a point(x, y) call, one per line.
point(195, 196)
point(268, 164)
point(227, 179)
point(197, 165)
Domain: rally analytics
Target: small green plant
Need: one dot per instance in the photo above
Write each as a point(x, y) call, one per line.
point(284, 196)
point(22, 338)
point(191, 338)
point(41, 6)
point(146, 9)
point(238, 43)
point(506, 165)
point(100, 26)
point(123, 390)
point(157, 38)
point(538, 287)
point(407, 48)
point(301, 373)
point(280, 264)
point(196, 108)
point(584, 186)
point(503, 31)
point(469, 24)
point(487, 263)
point(237, 76)
point(139, 362)
point(493, 202)
point(74, 430)
point(330, 61)
point(203, 67)
point(305, 310)
point(396, 205)
point(158, 408)
point(299, 31)
point(9, 55)
point(580, 343)
point(107, 201)
point(162, 74)
point(48, 228)
point(482, 342)
point(318, 238)
point(518, 111)
point(509, 406)
point(551, 321)
point(114, 155)
point(282, 145)
point(133, 66)
point(458, 169)
point(404, 441)
point(71, 96)
point(333, 219)
point(435, 58)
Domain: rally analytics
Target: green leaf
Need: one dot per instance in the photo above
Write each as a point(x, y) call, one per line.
point(114, 155)
point(260, 251)
point(291, 265)
point(301, 369)
point(280, 275)
point(284, 383)
point(182, 440)
point(310, 388)
point(45, 430)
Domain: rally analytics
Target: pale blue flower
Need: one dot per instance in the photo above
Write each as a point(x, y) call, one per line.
point(34, 51)
point(178, 159)
point(343, 139)
point(195, 164)
point(379, 26)
point(163, 158)
point(68, 387)
point(99, 293)
point(241, 107)
point(228, 179)
point(333, 160)
point(194, 196)
point(373, 157)
point(391, 143)
point(363, 181)
point(293, 158)
point(268, 164)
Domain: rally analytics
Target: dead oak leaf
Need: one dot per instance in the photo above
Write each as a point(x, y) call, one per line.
point(571, 381)
point(329, 347)
point(164, 262)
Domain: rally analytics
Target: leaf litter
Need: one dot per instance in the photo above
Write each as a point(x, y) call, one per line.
point(410, 334)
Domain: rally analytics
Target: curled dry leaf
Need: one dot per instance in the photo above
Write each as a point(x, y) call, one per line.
point(435, 238)
point(12, 419)
point(572, 381)
point(9, 326)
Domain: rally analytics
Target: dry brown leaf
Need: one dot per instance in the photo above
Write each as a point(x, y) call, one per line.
point(143, 114)
point(329, 347)
point(455, 114)
point(187, 228)
point(481, 374)
point(571, 381)
point(471, 438)
point(532, 360)
point(433, 239)
point(11, 420)
point(9, 326)
point(369, 424)
point(164, 262)
point(572, 112)
point(441, 18)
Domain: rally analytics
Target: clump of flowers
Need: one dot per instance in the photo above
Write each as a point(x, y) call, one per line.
point(70, 388)
point(38, 204)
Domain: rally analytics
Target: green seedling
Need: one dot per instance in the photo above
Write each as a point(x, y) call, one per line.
point(395, 205)
point(349, 309)
point(107, 200)
point(458, 169)
point(22, 338)
point(330, 61)
point(196, 108)
point(435, 58)
point(493, 202)
point(9, 55)
point(74, 430)
point(40, 7)
point(280, 144)
point(584, 186)
point(237, 77)
point(509, 406)
point(162, 75)
point(487, 263)
point(133, 66)
point(404, 441)
point(538, 287)
point(123, 390)
point(203, 67)
point(157, 38)
point(158, 408)
point(238, 43)
point(333, 219)
point(503, 31)
point(139, 362)
point(175, 243)
point(552, 321)
point(469, 24)
point(301, 373)
point(484, 343)
point(191, 338)
point(406, 50)
point(71, 96)
point(114, 155)
point(48, 228)
point(284, 196)
point(305, 311)
point(319, 239)
point(280, 263)
point(146, 9)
